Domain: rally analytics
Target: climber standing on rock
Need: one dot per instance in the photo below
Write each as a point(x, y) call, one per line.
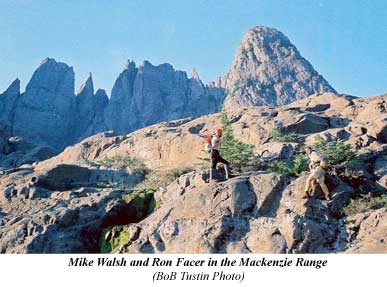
point(318, 167)
point(212, 146)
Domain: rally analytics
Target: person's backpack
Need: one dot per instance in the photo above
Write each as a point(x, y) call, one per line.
point(207, 143)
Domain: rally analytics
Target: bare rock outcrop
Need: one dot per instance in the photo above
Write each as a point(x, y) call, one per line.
point(367, 232)
point(62, 209)
point(258, 212)
point(71, 195)
point(177, 143)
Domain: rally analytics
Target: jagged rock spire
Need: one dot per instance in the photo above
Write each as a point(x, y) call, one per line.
point(87, 86)
point(195, 75)
point(13, 88)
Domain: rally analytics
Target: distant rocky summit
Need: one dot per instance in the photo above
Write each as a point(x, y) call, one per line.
point(44, 112)
point(148, 94)
point(269, 70)
point(50, 113)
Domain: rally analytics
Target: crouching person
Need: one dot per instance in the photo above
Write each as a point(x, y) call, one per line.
point(318, 167)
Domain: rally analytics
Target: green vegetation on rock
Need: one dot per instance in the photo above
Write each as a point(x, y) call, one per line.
point(240, 155)
point(140, 203)
point(337, 152)
point(160, 179)
point(365, 203)
point(278, 136)
point(124, 160)
point(295, 166)
point(113, 237)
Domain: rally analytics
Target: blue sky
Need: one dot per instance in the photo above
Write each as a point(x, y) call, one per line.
point(346, 41)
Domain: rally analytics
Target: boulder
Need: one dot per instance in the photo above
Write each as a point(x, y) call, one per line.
point(255, 212)
point(330, 104)
point(267, 239)
point(277, 150)
point(328, 135)
point(380, 170)
point(307, 124)
point(367, 232)
point(45, 212)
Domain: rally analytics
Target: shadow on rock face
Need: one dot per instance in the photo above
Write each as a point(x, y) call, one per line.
point(79, 230)
point(318, 108)
point(64, 210)
point(319, 229)
point(307, 123)
point(270, 204)
point(234, 224)
point(64, 177)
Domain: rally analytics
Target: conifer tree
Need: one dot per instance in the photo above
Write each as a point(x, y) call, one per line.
point(240, 155)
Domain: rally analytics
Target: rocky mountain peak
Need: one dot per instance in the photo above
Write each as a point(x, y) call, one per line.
point(44, 112)
point(130, 64)
point(269, 70)
point(101, 93)
point(122, 87)
point(101, 101)
point(148, 66)
point(87, 87)
point(14, 88)
point(46, 61)
point(152, 93)
point(260, 44)
point(8, 101)
point(195, 75)
point(53, 77)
